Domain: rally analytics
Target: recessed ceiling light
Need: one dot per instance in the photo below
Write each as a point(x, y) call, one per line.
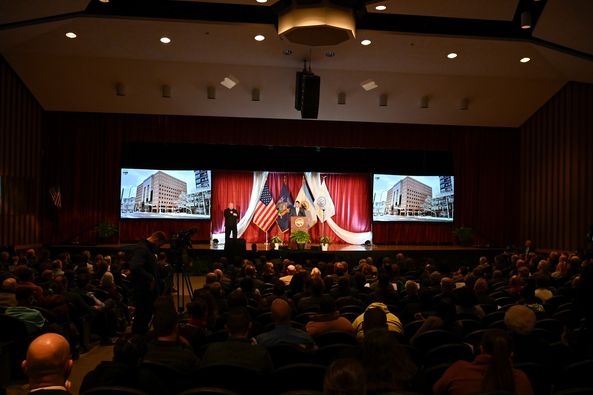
point(259, 37)
point(165, 40)
point(452, 55)
point(366, 42)
point(104, 1)
point(262, 1)
point(71, 35)
point(381, 7)
point(524, 60)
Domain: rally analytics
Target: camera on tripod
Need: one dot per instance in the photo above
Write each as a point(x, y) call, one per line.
point(182, 240)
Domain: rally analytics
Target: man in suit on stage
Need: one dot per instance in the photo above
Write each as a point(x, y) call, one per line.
point(231, 217)
point(146, 284)
point(48, 365)
point(297, 210)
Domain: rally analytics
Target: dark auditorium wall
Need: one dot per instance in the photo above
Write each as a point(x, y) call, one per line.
point(557, 170)
point(88, 153)
point(20, 160)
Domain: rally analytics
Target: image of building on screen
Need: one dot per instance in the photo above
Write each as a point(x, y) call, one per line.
point(161, 193)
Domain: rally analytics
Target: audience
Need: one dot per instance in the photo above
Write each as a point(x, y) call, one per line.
point(491, 370)
point(70, 295)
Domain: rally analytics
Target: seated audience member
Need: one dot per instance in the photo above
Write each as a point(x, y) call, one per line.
point(239, 349)
point(374, 319)
point(445, 318)
point(311, 302)
point(24, 312)
point(387, 365)
point(283, 333)
point(195, 331)
point(383, 291)
point(328, 319)
point(25, 279)
point(48, 365)
point(482, 292)
point(466, 303)
point(520, 321)
point(290, 271)
point(542, 288)
point(345, 377)
point(123, 370)
point(7, 292)
point(168, 347)
point(490, 371)
point(393, 323)
point(412, 304)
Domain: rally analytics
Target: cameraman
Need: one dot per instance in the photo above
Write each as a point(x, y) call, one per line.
point(145, 281)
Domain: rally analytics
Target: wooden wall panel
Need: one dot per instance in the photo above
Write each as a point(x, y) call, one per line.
point(20, 161)
point(557, 170)
point(88, 156)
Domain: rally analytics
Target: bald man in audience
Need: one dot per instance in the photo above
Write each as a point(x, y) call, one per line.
point(283, 333)
point(48, 365)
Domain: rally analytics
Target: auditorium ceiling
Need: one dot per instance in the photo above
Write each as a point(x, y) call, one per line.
point(117, 49)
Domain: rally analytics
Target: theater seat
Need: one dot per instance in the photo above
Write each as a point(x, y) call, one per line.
point(113, 390)
point(431, 339)
point(575, 391)
point(232, 377)
point(303, 376)
point(208, 391)
point(334, 337)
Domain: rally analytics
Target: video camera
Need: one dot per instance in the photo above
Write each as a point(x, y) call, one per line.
point(182, 239)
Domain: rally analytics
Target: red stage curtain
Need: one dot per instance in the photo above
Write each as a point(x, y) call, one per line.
point(350, 194)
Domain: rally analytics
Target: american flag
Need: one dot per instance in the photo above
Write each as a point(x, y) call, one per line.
point(56, 196)
point(265, 212)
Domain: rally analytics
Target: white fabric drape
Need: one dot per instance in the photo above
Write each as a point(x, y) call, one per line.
point(314, 181)
point(259, 180)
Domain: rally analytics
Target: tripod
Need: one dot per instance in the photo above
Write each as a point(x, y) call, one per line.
point(180, 262)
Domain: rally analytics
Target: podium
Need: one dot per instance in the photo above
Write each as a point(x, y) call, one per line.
point(299, 223)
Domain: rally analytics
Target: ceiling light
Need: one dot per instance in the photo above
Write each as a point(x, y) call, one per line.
point(103, 1)
point(259, 37)
point(452, 55)
point(424, 101)
point(381, 7)
point(229, 82)
point(383, 100)
point(262, 1)
point(166, 91)
point(71, 35)
point(525, 20)
point(366, 42)
point(165, 40)
point(287, 51)
point(368, 85)
point(524, 60)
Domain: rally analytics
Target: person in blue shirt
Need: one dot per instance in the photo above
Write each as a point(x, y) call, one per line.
point(283, 333)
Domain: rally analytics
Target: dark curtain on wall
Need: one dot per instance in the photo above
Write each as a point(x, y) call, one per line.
point(350, 194)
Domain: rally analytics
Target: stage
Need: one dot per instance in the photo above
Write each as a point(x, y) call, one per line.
point(204, 254)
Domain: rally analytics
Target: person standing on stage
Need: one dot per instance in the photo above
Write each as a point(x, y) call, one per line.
point(231, 217)
point(145, 281)
point(297, 210)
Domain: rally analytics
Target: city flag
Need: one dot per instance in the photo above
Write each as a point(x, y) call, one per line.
point(283, 206)
point(265, 212)
point(306, 200)
point(324, 206)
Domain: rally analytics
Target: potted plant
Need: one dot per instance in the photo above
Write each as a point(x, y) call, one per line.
point(277, 241)
point(301, 238)
point(105, 231)
point(464, 235)
point(324, 242)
